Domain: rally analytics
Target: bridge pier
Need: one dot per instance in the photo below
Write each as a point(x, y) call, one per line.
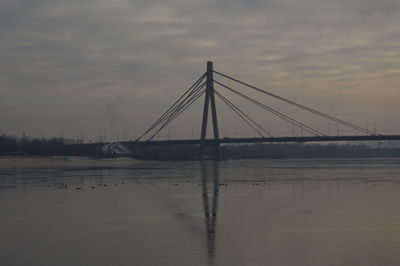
point(209, 98)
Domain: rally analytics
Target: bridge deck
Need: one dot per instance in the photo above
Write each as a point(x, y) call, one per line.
point(269, 140)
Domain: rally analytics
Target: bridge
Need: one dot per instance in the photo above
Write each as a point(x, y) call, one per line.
point(212, 142)
point(205, 85)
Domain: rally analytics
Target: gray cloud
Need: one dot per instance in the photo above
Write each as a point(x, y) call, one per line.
point(84, 54)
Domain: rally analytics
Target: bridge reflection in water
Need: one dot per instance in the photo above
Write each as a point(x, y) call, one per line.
point(210, 191)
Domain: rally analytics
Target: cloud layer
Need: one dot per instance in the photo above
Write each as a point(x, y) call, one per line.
point(65, 64)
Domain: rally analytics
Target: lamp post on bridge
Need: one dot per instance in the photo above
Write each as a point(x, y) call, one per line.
point(209, 97)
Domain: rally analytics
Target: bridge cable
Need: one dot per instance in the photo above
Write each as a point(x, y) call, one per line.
point(178, 112)
point(273, 111)
point(332, 118)
point(277, 113)
point(180, 105)
point(240, 113)
point(243, 115)
point(194, 87)
point(174, 106)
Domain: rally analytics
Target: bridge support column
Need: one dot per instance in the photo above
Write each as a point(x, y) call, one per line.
point(209, 97)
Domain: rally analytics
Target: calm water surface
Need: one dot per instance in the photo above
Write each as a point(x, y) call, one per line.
point(253, 212)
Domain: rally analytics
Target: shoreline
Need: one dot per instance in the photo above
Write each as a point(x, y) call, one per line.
point(16, 162)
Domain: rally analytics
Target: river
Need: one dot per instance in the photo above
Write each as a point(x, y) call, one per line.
point(242, 212)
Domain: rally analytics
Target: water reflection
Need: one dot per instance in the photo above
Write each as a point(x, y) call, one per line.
point(208, 183)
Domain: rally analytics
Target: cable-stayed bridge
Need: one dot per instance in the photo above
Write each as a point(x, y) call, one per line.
point(206, 85)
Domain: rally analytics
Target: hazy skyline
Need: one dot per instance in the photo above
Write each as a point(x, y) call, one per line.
point(94, 65)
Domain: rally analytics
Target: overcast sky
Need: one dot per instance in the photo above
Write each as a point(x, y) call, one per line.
point(92, 66)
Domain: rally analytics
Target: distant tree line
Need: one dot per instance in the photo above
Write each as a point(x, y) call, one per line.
point(271, 151)
point(10, 145)
point(298, 150)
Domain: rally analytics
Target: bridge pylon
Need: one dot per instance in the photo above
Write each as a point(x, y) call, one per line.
point(209, 98)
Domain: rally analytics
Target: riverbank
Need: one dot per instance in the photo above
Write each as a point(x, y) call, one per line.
point(59, 161)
